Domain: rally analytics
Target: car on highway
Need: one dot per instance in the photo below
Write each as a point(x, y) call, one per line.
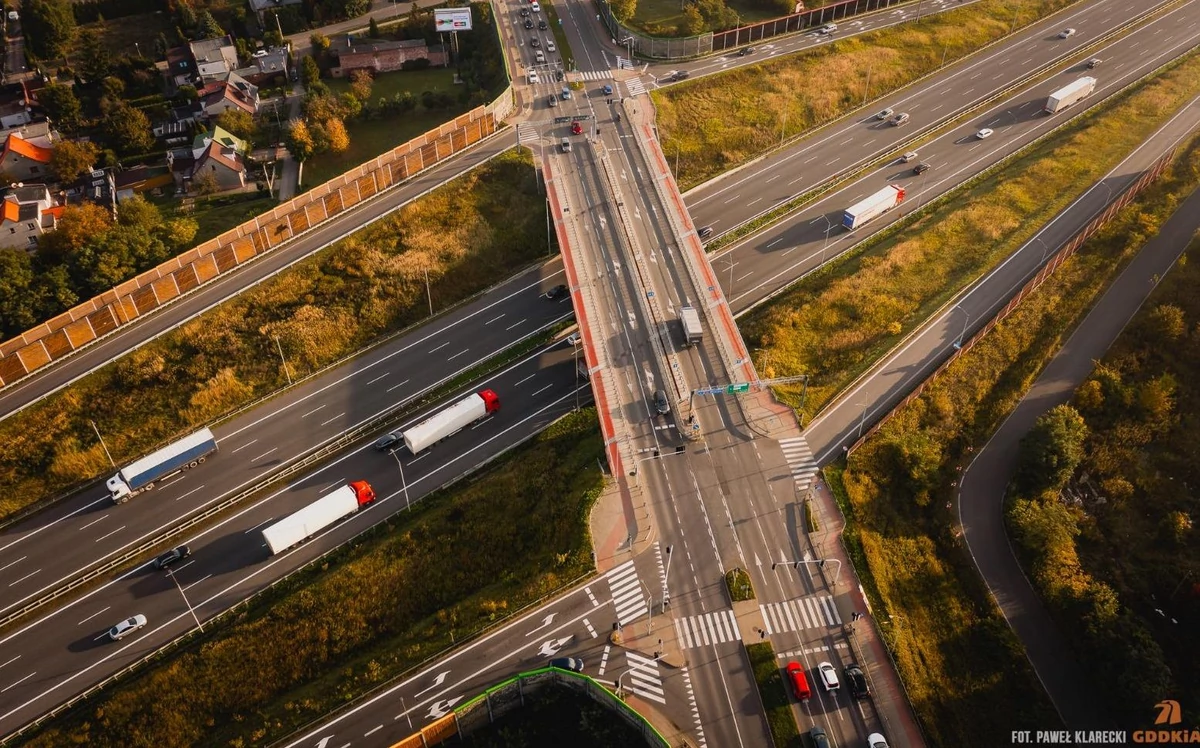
point(574, 664)
point(705, 232)
point(576, 128)
point(566, 92)
point(565, 145)
point(533, 77)
point(662, 405)
point(542, 24)
point(829, 676)
point(856, 681)
point(920, 168)
point(679, 75)
point(876, 740)
point(984, 133)
point(828, 28)
point(539, 56)
point(818, 737)
point(606, 90)
point(1066, 33)
point(910, 156)
point(535, 7)
point(528, 24)
point(574, 340)
point(885, 114)
point(126, 627)
point(171, 556)
point(388, 442)
point(1092, 63)
point(899, 119)
point(745, 51)
point(535, 42)
point(524, 12)
point(551, 100)
point(558, 291)
point(798, 681)
point(550, 46)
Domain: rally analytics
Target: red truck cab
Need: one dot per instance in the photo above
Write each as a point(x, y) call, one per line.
point(491, 401)
point(363, 492)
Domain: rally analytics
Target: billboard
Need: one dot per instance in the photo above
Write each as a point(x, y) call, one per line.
point(452, 19)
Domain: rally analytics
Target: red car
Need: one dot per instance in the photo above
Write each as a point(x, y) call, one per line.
point(576, 128)
point(799, 681)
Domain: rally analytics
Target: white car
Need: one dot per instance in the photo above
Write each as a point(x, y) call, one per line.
point(910, 156)
point(1066, 33)
point(533, 77)
point(984, 133)
point(126, 627)
point(876, 740)
point(828, 28)
point(535, 7)
point(550, 47)
point(829, 676)
point(885, 114)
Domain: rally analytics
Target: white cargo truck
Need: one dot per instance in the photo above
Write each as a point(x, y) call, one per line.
point(459, 415)
point(693, 332)
point(1070, 94)
point(318, 515)
point(140, 475)
point(875, 205)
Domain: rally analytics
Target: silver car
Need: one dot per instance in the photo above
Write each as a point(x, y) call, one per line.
point(126, 627)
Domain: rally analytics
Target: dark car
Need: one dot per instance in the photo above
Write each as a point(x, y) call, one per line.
point(745, 51)
point(574, 664)
point(388, 442)
point(856, 681)
point(680, 75)
point(558, 75)
point(542, 25)
point(920, 168)
point(819, 738)
point(524, 12)
point(1092, 63)
point(528, 23)
point(558, 291)
point(171, 556)
point(535, 42)
point(662, 405)
point(705, 232)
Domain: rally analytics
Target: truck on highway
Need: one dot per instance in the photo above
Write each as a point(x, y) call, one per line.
point(693, 333)
point(451, 420)
point(318, 515)
point(874, 205)
point(140, 475)
point(1070, 94)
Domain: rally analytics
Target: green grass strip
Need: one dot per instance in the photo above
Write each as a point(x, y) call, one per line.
point(773, 691)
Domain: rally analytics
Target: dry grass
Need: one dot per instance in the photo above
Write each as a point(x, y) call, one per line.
point(724, 120)
point(834, 326)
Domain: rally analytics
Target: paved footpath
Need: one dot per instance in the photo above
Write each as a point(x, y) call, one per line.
point(981, 496)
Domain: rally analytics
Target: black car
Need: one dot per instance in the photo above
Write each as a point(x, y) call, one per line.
point(558, 75)
point(680, 75)
point(551, 100)
point(524, 12)
point(705, 232)
point(745, 51)
point(856, 681)
point(662, 405)
point(558, 291)
point(528, 23)
point(819, 738)
point(920, 168)
point(574, 664)
point(542, 25)
point(388, 442)
point(171, 556)
point(535, 42)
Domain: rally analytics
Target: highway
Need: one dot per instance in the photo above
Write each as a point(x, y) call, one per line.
point(1007, 136)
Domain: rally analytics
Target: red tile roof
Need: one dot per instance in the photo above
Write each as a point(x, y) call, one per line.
point(16, 144)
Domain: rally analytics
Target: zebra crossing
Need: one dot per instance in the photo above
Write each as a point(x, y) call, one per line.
point(635, 87)
point(594, 75)
point(643, 678)
point(707, 628)
point(629, 601)
point(801, 613)
point(800, 459)
point(527, 133)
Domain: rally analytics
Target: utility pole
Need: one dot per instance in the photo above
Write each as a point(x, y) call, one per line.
point(286, 370)
point(102, 444)
point(428, 293)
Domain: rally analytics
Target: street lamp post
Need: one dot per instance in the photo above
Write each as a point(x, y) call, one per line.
point(102, 444)
point(403, 483)
point(403, 706)
point(286, 370)
point(867, 90)
point(171, 574)
point(863, 421)
point(667, 581)
point(428, 292)
point(966, 318)
point(828, 230)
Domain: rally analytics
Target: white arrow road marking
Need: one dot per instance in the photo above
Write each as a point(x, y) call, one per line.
point(436, 682)
point(545, 622)
point(550, 648)
point(440, 709)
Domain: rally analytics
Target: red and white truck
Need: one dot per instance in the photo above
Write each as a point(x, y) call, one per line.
point(451, 420)
point(318, 515)
point(874, 205)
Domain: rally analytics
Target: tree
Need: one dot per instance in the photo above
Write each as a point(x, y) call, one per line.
point(128, 130)
point(1052, 450)
point(373, 29)
point(1166, 324)
point(187, 94)
point(349, 106)
point(300, 141)
point(335, 133)
point(71, 158)
point(186, 15)
point(623, 9)
point(62, 106)
point(17, 312)
point(49, 26)
point(206, 183)
point(207, 26)
point(239, 122)
point(320, 44)
point(76, 227)
point(94, 60)
point(360, 84)
point(310, 72)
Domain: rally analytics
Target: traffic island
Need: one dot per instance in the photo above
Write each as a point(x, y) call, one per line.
point(773, 692)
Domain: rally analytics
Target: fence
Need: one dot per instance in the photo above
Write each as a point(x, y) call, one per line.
point(155, 288)
point(662, 48)
point(1056, 261)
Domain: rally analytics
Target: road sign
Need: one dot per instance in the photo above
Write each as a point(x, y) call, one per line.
point(734, 388)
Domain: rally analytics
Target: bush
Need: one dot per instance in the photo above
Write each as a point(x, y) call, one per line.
point(737, 581)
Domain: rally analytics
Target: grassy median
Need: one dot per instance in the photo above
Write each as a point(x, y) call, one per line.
point(773, 692)
point(835, 324)
point(462, 559)
point(935, 613)
point(721, 121)
point(465, 235)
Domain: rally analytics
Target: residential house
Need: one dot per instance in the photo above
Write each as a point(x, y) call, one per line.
point(26, 213)
point(221, 136)
point(235, 92)
point(175, 128)
point(25, 159)
point(382, 55)
point(99, 187)
point(181, 68)
point(214, 58)
point(226, 163)
point(14, 105)
point(261, 6)
point(265, 66)
point(141, 178)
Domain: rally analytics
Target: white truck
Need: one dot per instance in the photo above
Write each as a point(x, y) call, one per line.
point(874, 205)
point(1070, 94)
point(140, 475)
point(318, 515)
point(451, 420)
point(693, 332)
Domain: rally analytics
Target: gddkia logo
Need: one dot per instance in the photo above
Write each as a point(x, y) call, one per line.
point(1169, 713)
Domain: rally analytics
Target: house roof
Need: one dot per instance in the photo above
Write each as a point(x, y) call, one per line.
point(12, 211)
point(222, 136)
point(235, 89)
point(209, 50)
point(13, 93)
point(215, 152)
point(261, 5)
point(365, 45)
point(30, 193)
point(14, 143)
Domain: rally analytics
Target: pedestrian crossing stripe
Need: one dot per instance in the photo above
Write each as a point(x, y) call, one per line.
point(635, 87)
point(628, 600)
point(707, 629)
point(595, 75)
point(801, 613)
point(643, 677)
point(800, 459)
point(526, 133)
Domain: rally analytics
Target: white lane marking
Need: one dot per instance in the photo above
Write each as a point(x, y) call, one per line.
point(331, 420)
point(98, 612)
point(114, 532)
point(189, 493)
point(314, 410)
point(27, 677)
point(381, 376)
point(515, 324)
point(493, 319)
point(468, 350)
point(264, 454)
point(247, 444)
point(89, 524)
point(397, 386)
point(440, 347)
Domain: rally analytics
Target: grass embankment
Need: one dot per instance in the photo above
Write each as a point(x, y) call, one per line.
point(724, 120)
point(460, 560)
point(737, 581)
point(466, 234)
point(936, 615)
point(558, 716)
point(773, 692)
point(560, 36)
point(1105, 526)
point(835, 324)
